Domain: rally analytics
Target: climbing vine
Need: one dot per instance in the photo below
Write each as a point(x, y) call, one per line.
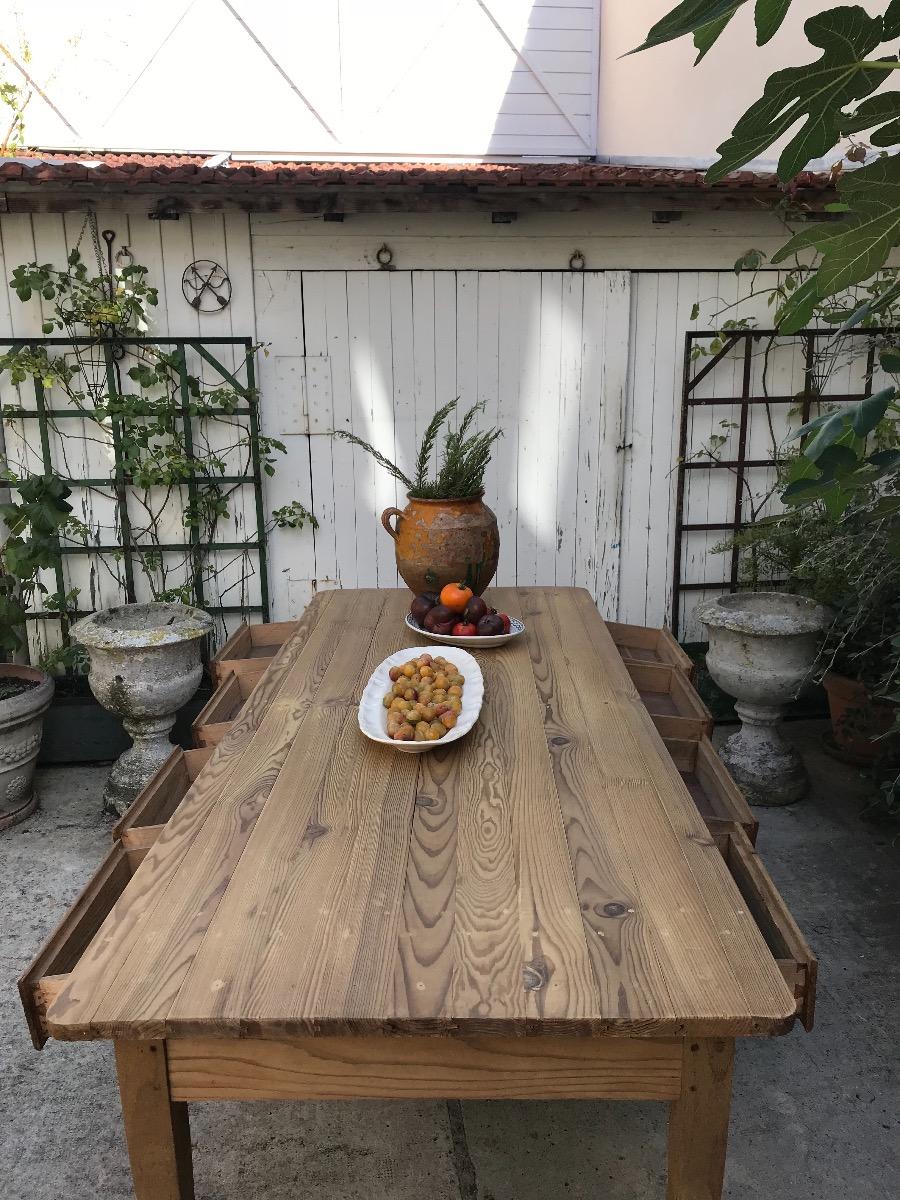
point(178, 441)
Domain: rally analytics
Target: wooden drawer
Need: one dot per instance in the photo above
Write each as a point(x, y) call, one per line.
point(139, 828)
point(676, 709)
point(217, 715)
point(134, 834)
point(250, 649)
point(641, 644)
point(43, 979)
point(715, 793)
point(766, 905)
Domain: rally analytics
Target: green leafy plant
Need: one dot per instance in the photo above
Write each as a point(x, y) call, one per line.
point(838, 541)
point(819, 104)
point(178, 442)
point(464, 458)
point(34, 522)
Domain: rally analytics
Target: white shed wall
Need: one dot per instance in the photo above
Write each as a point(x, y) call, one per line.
point(583, 370)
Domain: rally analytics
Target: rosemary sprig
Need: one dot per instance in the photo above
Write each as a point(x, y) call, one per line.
point(464, 458)
point(429, 440)
point(376, 454)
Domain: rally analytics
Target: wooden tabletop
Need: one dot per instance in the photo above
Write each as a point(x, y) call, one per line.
point(548, 873)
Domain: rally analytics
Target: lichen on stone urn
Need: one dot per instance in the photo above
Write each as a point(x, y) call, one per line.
point(762, 646)
point(144, 666)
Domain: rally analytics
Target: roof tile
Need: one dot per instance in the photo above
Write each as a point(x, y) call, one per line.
point(163, 169)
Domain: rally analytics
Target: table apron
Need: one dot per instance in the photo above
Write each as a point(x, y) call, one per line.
point(486, 1068)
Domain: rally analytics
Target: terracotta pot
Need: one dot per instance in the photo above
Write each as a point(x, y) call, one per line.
point(444, 541)
point(856, 721)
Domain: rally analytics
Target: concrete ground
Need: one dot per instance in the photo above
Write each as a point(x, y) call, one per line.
point(815, 1116)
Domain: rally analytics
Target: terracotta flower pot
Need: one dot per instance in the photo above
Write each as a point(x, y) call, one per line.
point(856, 720)
point(444, 541)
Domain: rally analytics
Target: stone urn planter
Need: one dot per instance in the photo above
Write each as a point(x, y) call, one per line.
point(762, 646)
point(25, 695)
point(145, 664)
point(444, 541)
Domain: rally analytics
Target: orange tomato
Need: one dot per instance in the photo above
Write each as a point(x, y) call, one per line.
point(456, 596)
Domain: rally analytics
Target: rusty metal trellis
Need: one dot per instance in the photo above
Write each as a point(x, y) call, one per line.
point(742, 341)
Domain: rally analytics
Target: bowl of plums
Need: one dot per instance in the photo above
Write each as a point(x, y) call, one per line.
point(457, 617)
point(416, 701)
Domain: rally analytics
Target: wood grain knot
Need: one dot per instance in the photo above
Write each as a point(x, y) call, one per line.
point(559, 741)
point(535, 974)
point(313, 832)
point(425, 801)
point(613, 909)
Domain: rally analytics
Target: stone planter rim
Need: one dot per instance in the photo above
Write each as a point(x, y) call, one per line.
point(731, 611)
point(168, 624)
point(27, 703)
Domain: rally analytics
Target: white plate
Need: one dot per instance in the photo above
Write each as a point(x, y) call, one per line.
point(475, 643)
point(373, 714)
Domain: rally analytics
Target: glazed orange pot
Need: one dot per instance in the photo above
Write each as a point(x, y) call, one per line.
point(444, 541)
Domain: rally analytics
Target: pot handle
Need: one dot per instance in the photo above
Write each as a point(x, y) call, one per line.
point(386, 520)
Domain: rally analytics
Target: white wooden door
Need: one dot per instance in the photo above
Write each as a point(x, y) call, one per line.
point(379, 352)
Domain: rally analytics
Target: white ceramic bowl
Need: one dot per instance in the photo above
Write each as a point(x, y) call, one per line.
point(516, 628)
point(373, 714)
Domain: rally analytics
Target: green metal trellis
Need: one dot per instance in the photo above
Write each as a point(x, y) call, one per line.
point(119, 481)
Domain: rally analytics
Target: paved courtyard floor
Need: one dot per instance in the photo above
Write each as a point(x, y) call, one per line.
point(815, 1117)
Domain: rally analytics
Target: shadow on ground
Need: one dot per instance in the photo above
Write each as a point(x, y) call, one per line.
point(815, 1116)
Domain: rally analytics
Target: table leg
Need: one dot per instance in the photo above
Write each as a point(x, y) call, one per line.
point(698, 1124)
point(156, 1127)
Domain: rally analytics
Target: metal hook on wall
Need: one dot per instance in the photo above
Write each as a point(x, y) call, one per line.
point(384, 256)
point(576, 261)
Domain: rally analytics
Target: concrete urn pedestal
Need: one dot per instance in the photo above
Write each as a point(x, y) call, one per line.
point(762, 646)
point(145, 665)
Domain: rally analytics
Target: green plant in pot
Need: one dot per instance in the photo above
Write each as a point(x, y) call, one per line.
point(838, 542)
point(33, 525)
point(446, 533)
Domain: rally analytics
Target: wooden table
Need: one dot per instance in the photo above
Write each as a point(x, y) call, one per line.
point(535, 912)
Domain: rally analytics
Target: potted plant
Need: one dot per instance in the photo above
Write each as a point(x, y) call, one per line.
point(838, 543)
point(33, 524)
point(446, 533)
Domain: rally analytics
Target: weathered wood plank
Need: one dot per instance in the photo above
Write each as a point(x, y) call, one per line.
point(306, 847)
point(706, 882)
point(335, 1068)
point(629, 964)
point(166, 946)
point(115, 939)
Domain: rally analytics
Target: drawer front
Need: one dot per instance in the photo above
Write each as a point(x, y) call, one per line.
point(676, 709)
point(157, 801)
point(224, 706)
point(766, 905)
point(716, 795)
point(645, 644)
point(41, 980)
point(250, 649)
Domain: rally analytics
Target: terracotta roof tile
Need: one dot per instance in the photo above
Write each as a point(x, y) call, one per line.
point(163, 169)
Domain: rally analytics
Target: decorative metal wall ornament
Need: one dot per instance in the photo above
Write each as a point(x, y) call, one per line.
point(385, 257)
point(577, 262)
point(206, 286)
